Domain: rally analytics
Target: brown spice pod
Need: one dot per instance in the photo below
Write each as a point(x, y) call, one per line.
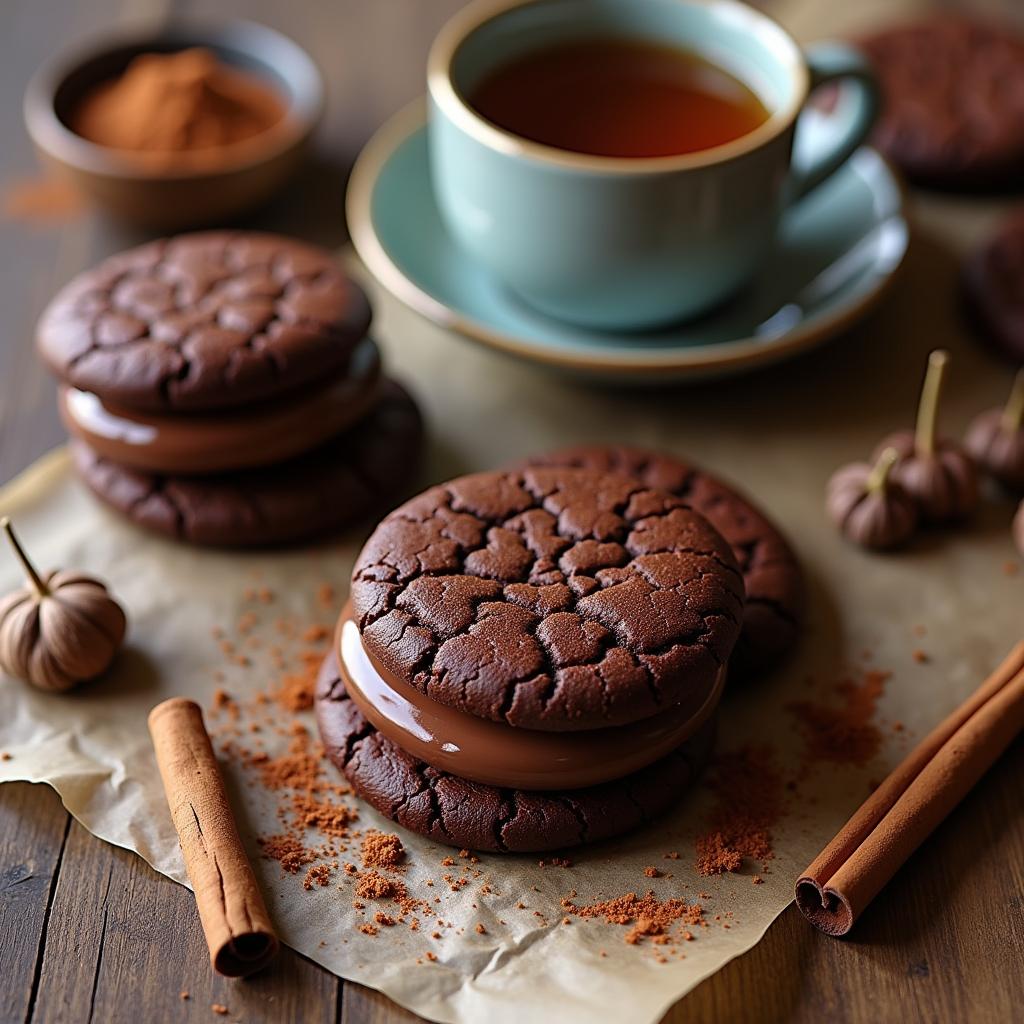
point(936, 472)
point(61, 629)
point(234, 916)
point(868, 506)
point(995, 439)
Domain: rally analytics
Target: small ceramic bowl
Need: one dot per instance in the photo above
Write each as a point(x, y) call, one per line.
point(172, 194)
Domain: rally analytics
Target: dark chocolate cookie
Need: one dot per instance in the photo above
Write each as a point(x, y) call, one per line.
point(994, 280)
point(953, 101)
point(773, 613)
point(549, 598)
point(474, 816)
point(328, 488)
point(204, 321)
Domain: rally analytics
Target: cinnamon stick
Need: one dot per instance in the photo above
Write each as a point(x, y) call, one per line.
point(913, 800)
point(231, 908)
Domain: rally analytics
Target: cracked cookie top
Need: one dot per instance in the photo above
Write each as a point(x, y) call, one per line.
point(774, 609)
point(204, 321)
point(550, 598)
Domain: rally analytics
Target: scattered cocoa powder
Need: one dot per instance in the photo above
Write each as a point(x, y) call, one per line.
point(332, 819)
point(844, 734)
point(319, 875)
point(296, 689)
point(223, 701)
point(289, 851)
point(42, 201)
point(375, 886)
point(382, 850)
point(648, 915)
point(748, 788)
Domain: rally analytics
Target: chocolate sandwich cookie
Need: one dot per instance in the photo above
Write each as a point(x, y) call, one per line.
point(953, 101)
point(549, 598)
point(477, 816)
point(494, 753)
point(230, 439)
point(773, 610)
point(994, 281)
point(204, 321)
point(330, 487)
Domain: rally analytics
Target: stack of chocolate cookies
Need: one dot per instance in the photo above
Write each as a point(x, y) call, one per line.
point(221, 387)
point(531, 659)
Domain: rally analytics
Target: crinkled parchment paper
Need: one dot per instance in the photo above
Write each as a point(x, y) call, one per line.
point(780, 433)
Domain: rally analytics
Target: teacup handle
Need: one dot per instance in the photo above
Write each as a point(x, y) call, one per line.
point(835, 62)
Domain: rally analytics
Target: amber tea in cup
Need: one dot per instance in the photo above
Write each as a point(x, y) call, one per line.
point(623, 164)
point(618, 98)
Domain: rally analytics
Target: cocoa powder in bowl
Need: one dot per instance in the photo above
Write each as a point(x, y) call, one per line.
point(175, 103)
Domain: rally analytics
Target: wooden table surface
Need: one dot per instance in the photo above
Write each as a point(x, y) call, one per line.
point(90, 932)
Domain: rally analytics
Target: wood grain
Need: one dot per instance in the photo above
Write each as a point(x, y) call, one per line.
point(88, 931)
point(33, 831)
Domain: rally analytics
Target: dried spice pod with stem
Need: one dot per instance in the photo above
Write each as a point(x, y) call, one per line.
point(936, 472)
point(995, 439)
point(869, 507)
point(59, 630)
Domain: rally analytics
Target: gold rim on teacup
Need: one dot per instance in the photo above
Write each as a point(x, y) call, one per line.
point(450, 100)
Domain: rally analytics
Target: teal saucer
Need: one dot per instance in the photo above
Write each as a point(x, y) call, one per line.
point(837, 249)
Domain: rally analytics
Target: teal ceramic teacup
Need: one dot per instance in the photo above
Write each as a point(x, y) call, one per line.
point(627, 243)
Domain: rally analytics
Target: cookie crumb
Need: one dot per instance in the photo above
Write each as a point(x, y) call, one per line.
point(652, 872)
point(219, 1008)
point(480, 929)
